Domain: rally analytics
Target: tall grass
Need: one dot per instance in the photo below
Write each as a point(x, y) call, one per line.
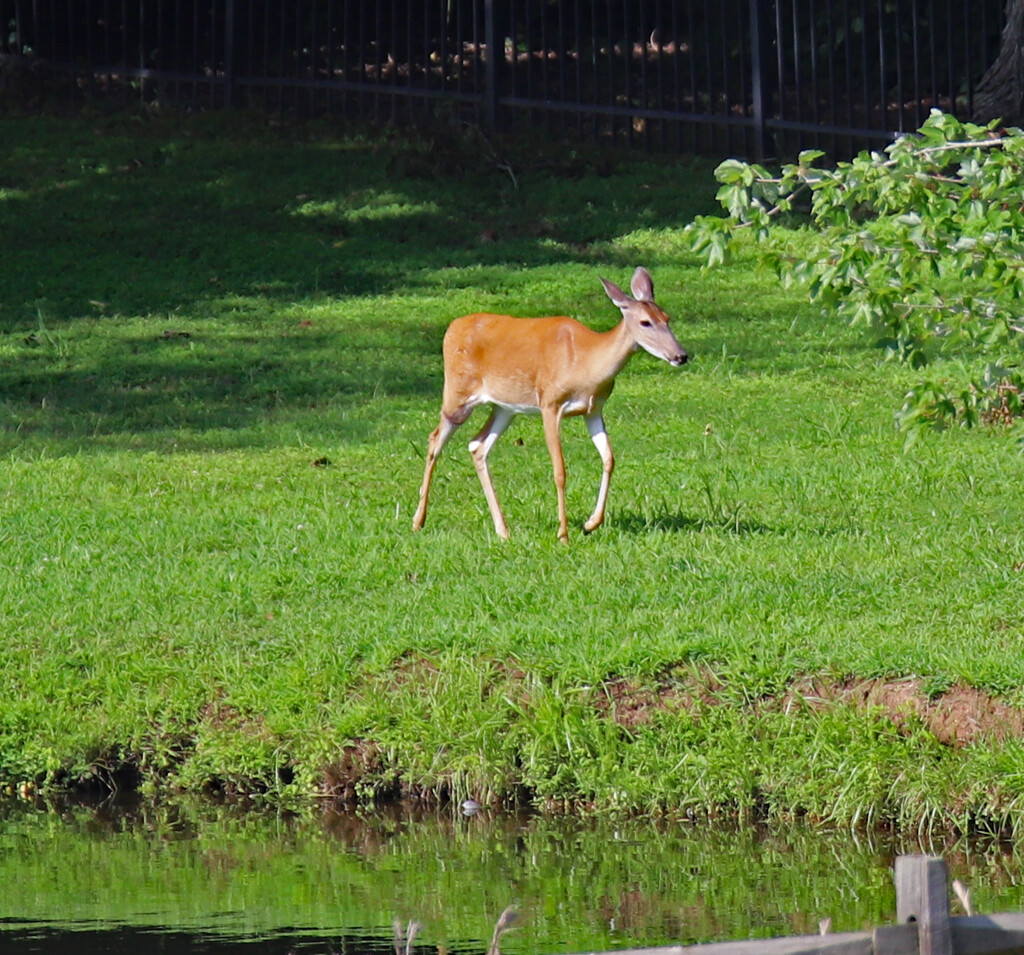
point(219, 362)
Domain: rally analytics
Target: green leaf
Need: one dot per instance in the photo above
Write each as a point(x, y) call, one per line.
point(731, 170)
point(922, 242)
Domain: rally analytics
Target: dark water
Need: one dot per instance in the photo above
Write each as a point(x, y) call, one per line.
point(209, 880)
point(127, 940)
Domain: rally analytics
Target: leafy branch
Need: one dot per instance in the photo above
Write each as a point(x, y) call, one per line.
point(922, 243)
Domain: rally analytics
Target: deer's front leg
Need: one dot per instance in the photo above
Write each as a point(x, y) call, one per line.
point(552, 422)
point(595, 425)
point(438, 438)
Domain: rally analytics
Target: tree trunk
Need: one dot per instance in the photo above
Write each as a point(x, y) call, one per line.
point(1000, 93)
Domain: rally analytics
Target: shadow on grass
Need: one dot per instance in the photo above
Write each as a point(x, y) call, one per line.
point(161, 265)
point(665, 522)
point(207, 380)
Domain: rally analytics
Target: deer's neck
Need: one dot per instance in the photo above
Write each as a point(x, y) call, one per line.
point(618, 345)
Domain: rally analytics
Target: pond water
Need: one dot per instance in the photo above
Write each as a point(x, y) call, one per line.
point(208, 879)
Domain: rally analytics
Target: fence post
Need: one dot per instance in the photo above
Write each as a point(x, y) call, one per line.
point(494, 43)
point(922, 896)
point(229, 53)
point(760, 75)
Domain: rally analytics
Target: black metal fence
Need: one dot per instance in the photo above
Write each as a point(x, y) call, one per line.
point(750, 77)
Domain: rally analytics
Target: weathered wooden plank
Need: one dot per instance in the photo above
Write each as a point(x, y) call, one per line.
point(1001, 934)
point(989, 934)
point(922, 907)
point(922, 896)
point(896, 940)
point(843, 943)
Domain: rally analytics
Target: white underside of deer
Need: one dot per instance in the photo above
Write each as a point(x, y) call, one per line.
point(555, 367)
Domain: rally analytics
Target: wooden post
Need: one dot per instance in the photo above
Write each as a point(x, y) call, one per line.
point(922, 896)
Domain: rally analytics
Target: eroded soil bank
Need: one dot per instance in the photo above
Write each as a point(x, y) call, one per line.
point(876, 752)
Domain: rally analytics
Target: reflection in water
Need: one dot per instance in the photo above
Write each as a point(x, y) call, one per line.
point(125, 940)
point(200, 878)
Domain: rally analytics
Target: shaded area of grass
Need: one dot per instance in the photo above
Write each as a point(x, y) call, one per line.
point(219, 362)
point(200, 276)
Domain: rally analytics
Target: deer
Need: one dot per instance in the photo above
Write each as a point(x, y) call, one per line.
point(556, 367)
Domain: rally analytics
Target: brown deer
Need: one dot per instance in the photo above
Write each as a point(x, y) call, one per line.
point(556, 367)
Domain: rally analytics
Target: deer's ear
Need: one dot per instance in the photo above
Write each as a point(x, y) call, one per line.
point(642, 285)
point(616, 294)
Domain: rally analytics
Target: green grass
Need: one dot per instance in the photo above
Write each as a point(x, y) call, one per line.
point(195, 313)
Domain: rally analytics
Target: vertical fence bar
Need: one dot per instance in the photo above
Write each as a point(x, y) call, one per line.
point(779, 74)
point(520, 32)
point(759, 75)
point(933, 60)
point(697, 128)
point(726, 80)
point(265, 69)
point(883, 101)
point(848, 63)
point(141, 41)
point(545, 89)
point(53, 28)
point(177, 50)
point(491, 41)
point(562, 52)
point(657, 38)
point(968, 60)
point(229, 53)
point(865, 87)
point(833, 93)
point(677, 54)
point(594, 81)
point(312, 68)
point(708, 77)
point(798, 80)
point(900, 95)
point(744, 86)
point(643, 36)
point(297, 57)
point(578, 79)
point(90, 77)
point(443, 44)
point(610, 41)
point(915, 34)
point(425, 49)
point(812, 34)
point(162, 61)
point(328, 57)
point(476, 32)
point(627, 69)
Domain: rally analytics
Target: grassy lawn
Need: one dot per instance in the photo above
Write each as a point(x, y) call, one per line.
point(219, 364)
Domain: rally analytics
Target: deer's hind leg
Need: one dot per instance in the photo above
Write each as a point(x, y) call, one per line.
point(479, 448)
point(552, 417)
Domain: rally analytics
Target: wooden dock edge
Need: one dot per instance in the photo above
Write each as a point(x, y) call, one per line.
point(925, 927)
